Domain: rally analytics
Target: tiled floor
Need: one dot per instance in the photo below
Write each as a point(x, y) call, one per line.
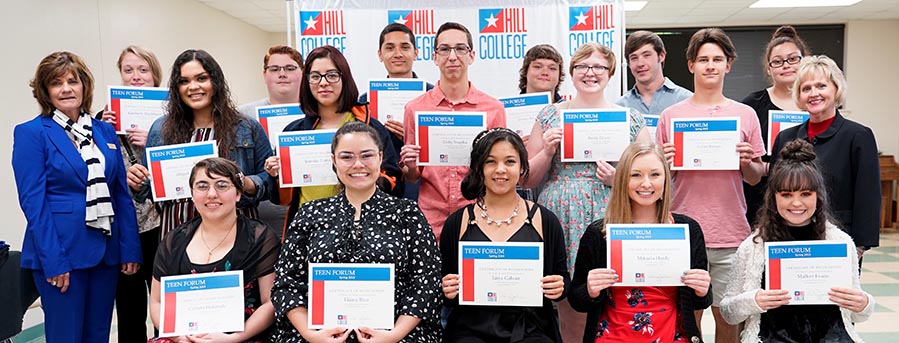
point(880, 277)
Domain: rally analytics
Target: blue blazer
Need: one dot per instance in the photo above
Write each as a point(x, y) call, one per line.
point(51, 178)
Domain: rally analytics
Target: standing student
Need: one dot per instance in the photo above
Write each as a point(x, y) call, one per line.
point(795, 208)
point(81, 230)
point(200, 109)
point(138, 67)
point(714, 198)
point(542, 71)
point(782, 56)
point(439, 192)
point(847, 151)
point(642, 195)
point(652, 92)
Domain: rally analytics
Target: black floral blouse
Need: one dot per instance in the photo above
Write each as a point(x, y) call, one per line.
point(392, 230)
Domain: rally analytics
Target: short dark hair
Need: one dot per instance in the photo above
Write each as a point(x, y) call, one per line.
point(452, 26)
point(540, 51)
point(354, 127)
point(712, 35)
point(473, 186)
point(57, 65)
point(221, 167)
point(348, 91)
point(284, 50)
point(396, 27)
point(638, 39)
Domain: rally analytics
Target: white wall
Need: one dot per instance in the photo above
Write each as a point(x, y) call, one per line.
point(870, 68)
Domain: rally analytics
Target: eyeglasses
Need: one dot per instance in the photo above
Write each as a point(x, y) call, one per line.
point(583, 68)
point(331, 77)
point(276, 68)
point(349, 159)
point(791, 60)
point(444, 50)
point(220, 186)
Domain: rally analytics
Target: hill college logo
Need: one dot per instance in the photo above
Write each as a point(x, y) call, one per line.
point(319, 28)
point(590, 24)
point(503, 33)
point(421, 22)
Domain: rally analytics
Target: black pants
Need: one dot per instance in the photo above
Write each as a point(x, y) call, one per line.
point(132, 293)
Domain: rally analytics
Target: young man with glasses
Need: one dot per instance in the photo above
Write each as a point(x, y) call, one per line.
point(439, 192)
point(652, 92)
point(714, 198)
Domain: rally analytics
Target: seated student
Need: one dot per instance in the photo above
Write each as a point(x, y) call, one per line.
point(498, 160)
point(795, 208)
point(221, 239)
point(361, 224)
point(641, 194)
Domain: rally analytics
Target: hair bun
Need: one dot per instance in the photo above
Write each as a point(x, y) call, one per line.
point(798, 151)
point(785, 31)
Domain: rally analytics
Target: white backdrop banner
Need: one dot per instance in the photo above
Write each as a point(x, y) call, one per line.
point(502, 31)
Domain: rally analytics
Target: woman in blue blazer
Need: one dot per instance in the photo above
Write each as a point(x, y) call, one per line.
point(70, 177)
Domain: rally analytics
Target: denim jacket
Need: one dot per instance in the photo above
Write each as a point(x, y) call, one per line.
point(251, 149)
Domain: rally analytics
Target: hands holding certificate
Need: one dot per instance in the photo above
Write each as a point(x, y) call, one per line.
point(409, 161)
point(137, 137)
point(849, 298)
point(599, 279)
point(698, 280)
point(553, 286)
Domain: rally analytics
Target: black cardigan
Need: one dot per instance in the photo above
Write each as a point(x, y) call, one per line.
point(847, 156)
point(592, 255)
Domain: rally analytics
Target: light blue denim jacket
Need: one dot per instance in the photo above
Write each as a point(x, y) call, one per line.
point(251, 149)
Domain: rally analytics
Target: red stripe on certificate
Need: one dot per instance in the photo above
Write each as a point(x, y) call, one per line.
point(115, 105)
point(264, 122)
point(775, 129)
point(373, 105)
point(158, 182)
point(678, 149)
point(170, 306)
point(286, 173)
point(569, 140)
point(616, 262)
point(318, 298)
point(774, 271)
point(468, 279)
point(423, 155)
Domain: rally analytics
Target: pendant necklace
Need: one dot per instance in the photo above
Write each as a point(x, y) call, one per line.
point(498, 222)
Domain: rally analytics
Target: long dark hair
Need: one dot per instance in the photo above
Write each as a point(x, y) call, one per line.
point(349, 94)
point(179, 126)
point(473, 186)
point(795, 171)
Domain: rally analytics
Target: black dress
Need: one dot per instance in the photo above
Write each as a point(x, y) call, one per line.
point(760, 101)
point(504, 323)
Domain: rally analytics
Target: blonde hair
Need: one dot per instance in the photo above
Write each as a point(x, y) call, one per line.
point(820, 64)
point(584, 52)
point(619, 209)
point(146, 55)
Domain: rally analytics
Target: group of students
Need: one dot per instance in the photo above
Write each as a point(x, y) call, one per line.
point(818, 190)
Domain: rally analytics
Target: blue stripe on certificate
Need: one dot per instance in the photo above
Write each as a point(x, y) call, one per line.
point(279, 111)
point(181, 152)
point(807, 251)
point(705, 125)
point(202, 283)
point(139, 94)
point(648, 233)
point(500, 252)
point(449, 120)
point(301, 139)
point(350, 274)
point(595, 117)
point(795, 118)
point(396, 85)
point(525, 100)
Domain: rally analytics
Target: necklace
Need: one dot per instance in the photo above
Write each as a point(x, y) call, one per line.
point(203, 238)
point(490, 220)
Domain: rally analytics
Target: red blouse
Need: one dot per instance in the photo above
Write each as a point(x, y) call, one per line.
point(640, 314)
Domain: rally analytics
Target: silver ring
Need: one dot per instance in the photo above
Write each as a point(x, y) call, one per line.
point(53, 283)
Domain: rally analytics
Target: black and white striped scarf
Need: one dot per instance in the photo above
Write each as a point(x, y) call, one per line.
point(98, 210)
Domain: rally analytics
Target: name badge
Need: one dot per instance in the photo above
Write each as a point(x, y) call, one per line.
point(111, 146)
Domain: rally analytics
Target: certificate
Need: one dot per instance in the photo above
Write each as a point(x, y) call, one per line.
point(137, 107)
point(706, 143)
point(274, 118)
point(446, 137)
point(652, 124)
point(170, 167)
point(648, 254)
point(522, 110)
point(592, 135)
point(782, 120)
point(201, 303)
point(351, 295)
point(808, 269)
point(500, 274)
point(305, 158)
point(388, 97)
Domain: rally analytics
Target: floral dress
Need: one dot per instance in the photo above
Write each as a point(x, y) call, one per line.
point(641, 314)
point(572, 191)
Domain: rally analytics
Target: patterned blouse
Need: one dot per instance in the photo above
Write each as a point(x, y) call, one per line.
point(392, 230)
